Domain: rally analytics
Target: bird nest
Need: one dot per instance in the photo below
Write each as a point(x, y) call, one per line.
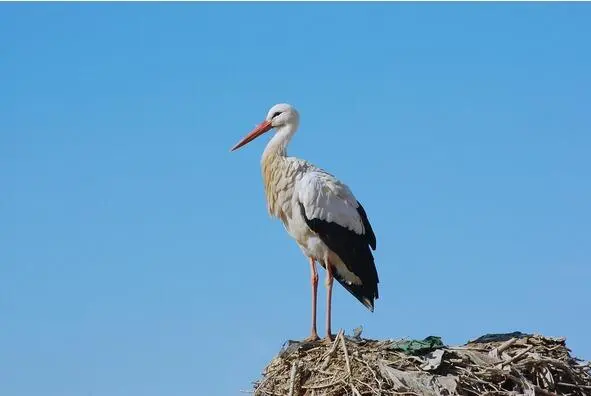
point(493, 365)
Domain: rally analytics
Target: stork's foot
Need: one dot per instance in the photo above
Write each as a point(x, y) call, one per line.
point(312, 337)
point(329, 338)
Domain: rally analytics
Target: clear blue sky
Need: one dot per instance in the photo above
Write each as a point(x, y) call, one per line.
point(137, 255)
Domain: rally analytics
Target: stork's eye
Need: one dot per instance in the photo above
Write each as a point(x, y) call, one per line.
point(276, 114)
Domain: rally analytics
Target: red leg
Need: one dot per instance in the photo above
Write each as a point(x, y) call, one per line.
point(314, 281)
point(329, 279)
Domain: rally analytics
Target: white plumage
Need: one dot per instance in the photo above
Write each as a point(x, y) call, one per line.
point(326, 198)
point(319, 212)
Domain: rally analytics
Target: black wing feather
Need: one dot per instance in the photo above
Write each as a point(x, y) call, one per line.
point(354, 250)
point(371, 237)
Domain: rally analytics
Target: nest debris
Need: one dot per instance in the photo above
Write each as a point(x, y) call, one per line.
point(492, 365)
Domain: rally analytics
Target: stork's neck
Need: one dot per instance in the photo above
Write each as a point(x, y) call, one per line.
point(273, 165)
point(277, 146)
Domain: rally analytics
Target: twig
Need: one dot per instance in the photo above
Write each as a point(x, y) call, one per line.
point(368, 386)
point(332, 383)
point(467, 348)
point(260, 386)
point(544, 391)
point(514, 358)
point(506, 344)
point(346, 352)
point(331, 352)
point(292, 375)
point(354, 390)
point(375, 376)
point(573, 385)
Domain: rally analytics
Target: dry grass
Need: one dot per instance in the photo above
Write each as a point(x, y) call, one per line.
point(515, 364)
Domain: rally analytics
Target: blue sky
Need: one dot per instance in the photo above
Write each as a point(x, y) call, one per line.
point(137, 254)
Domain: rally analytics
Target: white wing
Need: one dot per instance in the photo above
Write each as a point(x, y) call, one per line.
point(325, 198)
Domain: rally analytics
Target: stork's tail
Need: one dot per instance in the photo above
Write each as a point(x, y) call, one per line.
point(366, 293)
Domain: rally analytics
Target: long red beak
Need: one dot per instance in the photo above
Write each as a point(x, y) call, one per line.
point(265, 126)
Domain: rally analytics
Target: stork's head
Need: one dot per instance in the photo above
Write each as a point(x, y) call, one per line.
point(282, 114)
point(278, 116)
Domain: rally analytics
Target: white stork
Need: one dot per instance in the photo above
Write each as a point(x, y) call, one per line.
point(319, 212)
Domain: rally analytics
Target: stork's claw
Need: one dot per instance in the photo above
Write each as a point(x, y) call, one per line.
point(311, 338)
point(329, 338)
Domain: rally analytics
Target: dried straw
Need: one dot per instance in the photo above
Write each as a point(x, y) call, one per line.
point(515, 365)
